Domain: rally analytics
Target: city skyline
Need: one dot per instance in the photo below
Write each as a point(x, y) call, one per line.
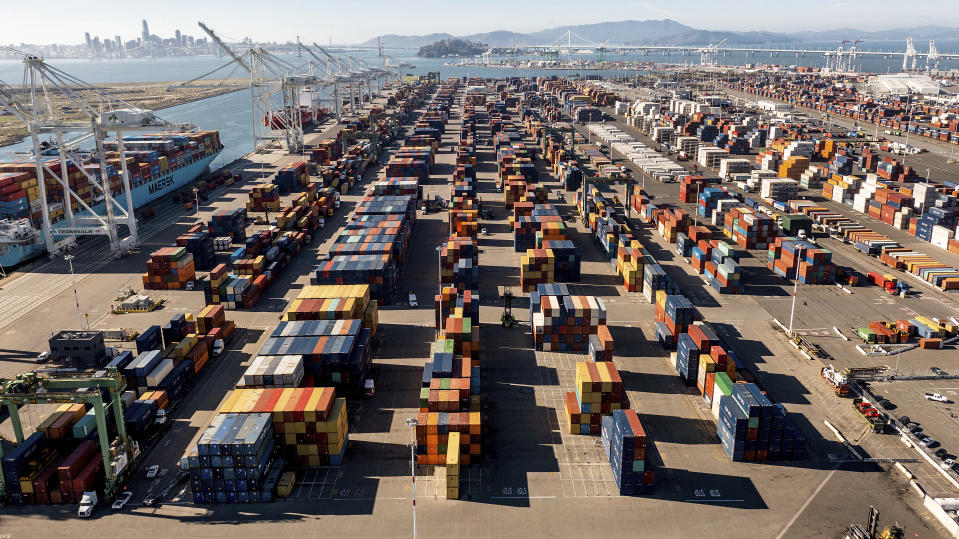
point(148, 44)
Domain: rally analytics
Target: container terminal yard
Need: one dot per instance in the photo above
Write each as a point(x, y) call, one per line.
point(553, 302)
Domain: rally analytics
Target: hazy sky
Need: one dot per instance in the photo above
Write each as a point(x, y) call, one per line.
point(353, 21)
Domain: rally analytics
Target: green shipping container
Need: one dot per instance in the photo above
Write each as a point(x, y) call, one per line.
point(867, 335)
point(793, 223)
point(723, 381)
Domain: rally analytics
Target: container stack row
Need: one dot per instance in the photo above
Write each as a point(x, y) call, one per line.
point(231, 460)
point(310, 425)
point(625, 443)
point(795, 259)
point(169, 268)
point(387, 220)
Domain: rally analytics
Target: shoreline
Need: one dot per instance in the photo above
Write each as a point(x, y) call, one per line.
point(211, 92)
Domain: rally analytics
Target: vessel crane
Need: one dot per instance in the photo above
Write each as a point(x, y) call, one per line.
point(42, 103)
point(709, 55)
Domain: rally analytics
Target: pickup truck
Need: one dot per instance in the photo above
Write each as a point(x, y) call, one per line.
point(938, 397)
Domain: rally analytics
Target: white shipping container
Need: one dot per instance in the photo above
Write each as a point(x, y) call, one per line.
point(128, 398)
point(717, 396)
point(160, 372)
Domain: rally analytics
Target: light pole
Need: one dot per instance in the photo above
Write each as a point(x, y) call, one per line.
point(898, 353)
point(76, 296)
point(411, 423)
point(792, 310)
point(905, 151)
point(439, 270)
point(196, 195)
point(696, 211)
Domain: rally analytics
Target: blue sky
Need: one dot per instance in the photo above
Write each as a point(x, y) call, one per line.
point(353, 21)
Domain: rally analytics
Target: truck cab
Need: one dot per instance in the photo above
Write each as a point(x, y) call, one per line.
point(217, 347)
point(160, 418)
point(87, 504)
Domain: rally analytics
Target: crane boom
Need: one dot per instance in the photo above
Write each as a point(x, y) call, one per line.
point(216, 39)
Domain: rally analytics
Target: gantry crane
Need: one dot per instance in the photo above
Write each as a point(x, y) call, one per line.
point(709, 55)
point(850, 67)
point(54, 102)
point(333, 74)
point(270, 77)
point(32, 388)
point(345, 75)
point(390, 63)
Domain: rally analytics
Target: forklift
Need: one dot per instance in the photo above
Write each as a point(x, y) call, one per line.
point(507, 319)
point(872, 531)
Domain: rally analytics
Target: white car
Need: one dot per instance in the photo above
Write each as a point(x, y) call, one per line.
point(152, 471)
point(43, 357)
point(122, 500)
point(936, 397)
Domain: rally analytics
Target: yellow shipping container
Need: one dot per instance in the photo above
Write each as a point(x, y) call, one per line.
point(284, 486)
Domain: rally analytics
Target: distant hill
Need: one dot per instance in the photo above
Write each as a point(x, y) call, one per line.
point(619, 32)
point(451, 47)
point(918, 33)
point(666, 32)
point(394, 41)
point(501, 38)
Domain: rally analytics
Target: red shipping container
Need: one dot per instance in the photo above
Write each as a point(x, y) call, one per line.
point(710, 384)
point(75, 461)
point(702, 342)
point(719, 355)
point(90, 478)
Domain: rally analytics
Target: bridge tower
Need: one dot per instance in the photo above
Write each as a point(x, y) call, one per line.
point(910, 53)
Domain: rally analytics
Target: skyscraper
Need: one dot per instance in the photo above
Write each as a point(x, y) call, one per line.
point(89, 42)
point(146, 31)
point(179, 38)
point(118, 43)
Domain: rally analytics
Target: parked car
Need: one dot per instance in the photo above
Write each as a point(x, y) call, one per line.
point(153, 471)
point(942, 453)
point(930, 442)
point(938, 397)
point(122, 500)
point(42, 357)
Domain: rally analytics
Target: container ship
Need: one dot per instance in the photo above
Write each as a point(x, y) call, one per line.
point(158, 165)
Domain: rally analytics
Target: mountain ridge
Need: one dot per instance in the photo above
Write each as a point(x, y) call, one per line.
point(662, 32)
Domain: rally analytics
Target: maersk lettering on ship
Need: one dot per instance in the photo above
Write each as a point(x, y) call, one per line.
point(158, 165)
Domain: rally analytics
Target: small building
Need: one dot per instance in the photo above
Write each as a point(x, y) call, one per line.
point(773, 106)
point(81, 349)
